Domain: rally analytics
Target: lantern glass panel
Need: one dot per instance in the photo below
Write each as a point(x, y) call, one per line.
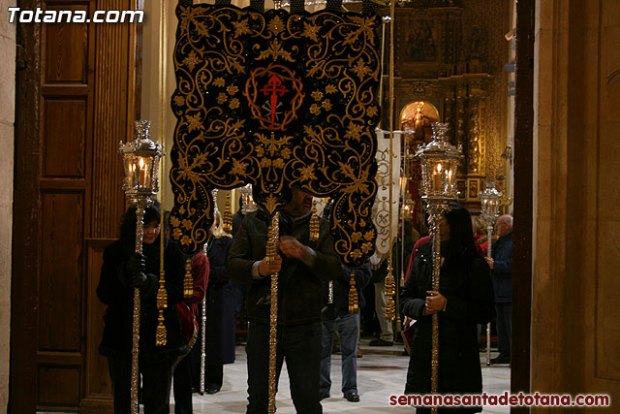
point(139, 171)
point(440, 175)
point(451, 176)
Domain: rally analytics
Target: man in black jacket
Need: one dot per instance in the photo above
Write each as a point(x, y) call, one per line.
point(501, 268)
point(301, 265)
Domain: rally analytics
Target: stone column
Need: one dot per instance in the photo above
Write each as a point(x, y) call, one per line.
point(7, 119)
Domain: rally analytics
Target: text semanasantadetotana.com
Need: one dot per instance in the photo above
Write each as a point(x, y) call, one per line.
point(506, 399)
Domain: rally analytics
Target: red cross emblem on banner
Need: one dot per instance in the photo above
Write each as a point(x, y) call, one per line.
point(274, 96)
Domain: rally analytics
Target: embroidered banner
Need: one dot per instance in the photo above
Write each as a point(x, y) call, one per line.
point(275, 100)
point(383, 206)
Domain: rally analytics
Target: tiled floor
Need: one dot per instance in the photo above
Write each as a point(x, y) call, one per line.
point(381, 373)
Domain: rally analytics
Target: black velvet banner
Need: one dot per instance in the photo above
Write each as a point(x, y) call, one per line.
point(276, 100)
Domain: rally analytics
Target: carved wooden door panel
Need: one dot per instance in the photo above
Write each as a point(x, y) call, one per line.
point(76, 85)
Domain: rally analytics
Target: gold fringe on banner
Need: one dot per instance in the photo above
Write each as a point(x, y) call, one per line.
point(227, 216)
point(162, 303)
point(390, 292)
point(188, 281)
point(354, 306)
point(161, 337)
point(162, 295)
point(314, 223)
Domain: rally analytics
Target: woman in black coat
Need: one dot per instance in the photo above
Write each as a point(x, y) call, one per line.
point(221, 321)
point(464, 299)
point(121, 272)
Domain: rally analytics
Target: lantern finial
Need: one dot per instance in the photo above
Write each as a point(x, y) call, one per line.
point(439, 160)
point(489, 202)
point(141, 160)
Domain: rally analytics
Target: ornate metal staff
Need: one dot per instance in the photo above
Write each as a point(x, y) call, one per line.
point(203, 320)
point(272, 246)
point(439, 162)
point(203, 336)
point(390, 282)
point(141, 160)
point(489, 203)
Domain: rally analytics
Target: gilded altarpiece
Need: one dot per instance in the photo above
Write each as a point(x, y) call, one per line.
point(452, 54)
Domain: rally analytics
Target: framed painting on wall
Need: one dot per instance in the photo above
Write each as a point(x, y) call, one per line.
point(473, 189)
point(461, 186)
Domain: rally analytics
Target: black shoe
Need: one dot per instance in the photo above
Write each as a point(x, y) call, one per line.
point(502, 359)
point(352, 396)
point(380, 342)
point(323, 395)
point(213, 389)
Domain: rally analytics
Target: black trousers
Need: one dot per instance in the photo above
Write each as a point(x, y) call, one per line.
point(504, 327)
point(300, 346)
point(156, 380)
point(182, 387)
point(214, 374)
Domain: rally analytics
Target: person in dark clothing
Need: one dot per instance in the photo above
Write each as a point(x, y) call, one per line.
point(121, 272)
point(237, 218)
point(221, 323)
point(246, 205)
point(337, 316)
point(501, 267)
point(380, 271)
point(184, 374)
point(302, 265)
point(464, 299)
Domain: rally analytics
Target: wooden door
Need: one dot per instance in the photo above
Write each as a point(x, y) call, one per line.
point(76, 89)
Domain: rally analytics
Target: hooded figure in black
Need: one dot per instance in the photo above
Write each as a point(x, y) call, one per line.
point(121, 272)
point(464, 299)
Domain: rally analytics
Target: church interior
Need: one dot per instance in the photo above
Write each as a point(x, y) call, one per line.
point(530, 90)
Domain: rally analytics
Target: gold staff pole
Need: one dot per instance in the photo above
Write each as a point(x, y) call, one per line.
point(489, 255)
point(439, 162)
point(203, 321)
point(135, 326)
point(161, 336)
point(141, 163)
point(390, 282)
point(436, 212)
point(401, 277)
point(272, 246)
